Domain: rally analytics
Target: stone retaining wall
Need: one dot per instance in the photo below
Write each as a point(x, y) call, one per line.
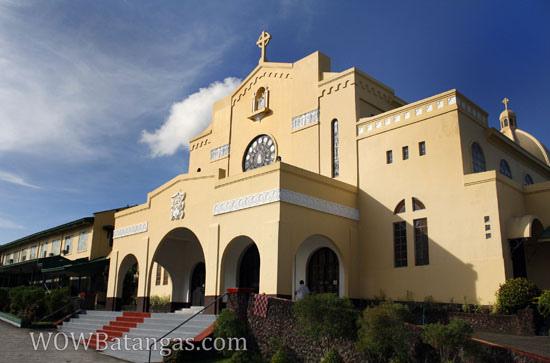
point(280, 325)
point(521, 324)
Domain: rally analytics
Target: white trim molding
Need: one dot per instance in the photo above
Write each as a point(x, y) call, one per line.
point(219, 152)
point(130, 230)
point(287, 196)
point(306, 119)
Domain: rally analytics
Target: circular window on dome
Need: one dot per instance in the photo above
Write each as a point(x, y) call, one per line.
point(260, 152)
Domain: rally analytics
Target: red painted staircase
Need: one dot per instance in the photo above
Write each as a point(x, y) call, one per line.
point(116, 328)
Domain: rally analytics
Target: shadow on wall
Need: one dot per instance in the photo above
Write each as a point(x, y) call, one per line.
point(397, 267)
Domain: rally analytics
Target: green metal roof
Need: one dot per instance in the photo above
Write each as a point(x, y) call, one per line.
point(81, 265)
point(40, 263)
point(87, 221)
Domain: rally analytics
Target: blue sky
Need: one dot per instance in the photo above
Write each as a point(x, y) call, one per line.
point(98, 98)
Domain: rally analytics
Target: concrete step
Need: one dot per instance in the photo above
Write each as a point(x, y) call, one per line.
point(173, 324)
point(156, 326)
point(190, 310)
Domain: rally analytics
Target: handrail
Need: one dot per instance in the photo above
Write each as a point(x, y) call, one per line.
point(185, 321)
point(72, 302)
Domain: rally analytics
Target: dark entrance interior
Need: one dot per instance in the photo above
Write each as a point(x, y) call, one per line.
point(129, 288)
point(249, 270)
point(197, 285)
point(323, 272)
point(517, 249)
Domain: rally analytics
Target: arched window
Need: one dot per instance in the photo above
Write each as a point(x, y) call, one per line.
point(528, 180)
point(505, 168)
point(417, 205)
point(335, 142)
point(260, 152)
point(400, 207)
point(323, 271)
point(478, 159)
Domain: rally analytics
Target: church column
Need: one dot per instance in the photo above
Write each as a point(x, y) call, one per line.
point(212, 256)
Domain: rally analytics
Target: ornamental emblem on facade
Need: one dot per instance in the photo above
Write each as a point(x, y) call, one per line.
point(178, 205)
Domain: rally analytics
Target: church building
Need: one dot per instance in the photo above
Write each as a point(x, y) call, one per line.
point(306, 173)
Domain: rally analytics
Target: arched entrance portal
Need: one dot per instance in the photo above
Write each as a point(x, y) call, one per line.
point(180, 254)
point(197, 285)
point(323, 271)
point(249, 269)
point(319, 263)
point(128, 279)
point(241, 264)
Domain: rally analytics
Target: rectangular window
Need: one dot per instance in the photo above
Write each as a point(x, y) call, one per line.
point(82, 242)
point(56, 247)
point(400, 244)
point(405, 152)
point(158, 276)
point(44, 250)
point(389, 157)
point(421, 253)
point(33, 252)
point(68, 244)
point(422, 148)
point(165, 277)
point(24, 255)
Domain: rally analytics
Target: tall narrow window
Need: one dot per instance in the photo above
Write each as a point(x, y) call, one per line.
point(68, 244)
point(389, 157)
point(405, 152)
point(421, 252)
point(44, 249)
point(159, 274)
point(335, 145)
point(478, 159)
point(505, 168)
point(165, 277)
point(422, 148)
point(400, 244)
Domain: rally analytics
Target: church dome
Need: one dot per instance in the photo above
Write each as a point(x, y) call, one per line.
point(532, 145)
point(509, 128)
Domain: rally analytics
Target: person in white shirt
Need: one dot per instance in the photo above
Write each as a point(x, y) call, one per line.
point(302, 291)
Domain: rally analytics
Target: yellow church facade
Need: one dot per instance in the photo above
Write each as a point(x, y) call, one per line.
point(328, 177)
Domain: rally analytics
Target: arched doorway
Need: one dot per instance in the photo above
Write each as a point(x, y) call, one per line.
point(179, 253)
point(241, 264)
point(128, 281)
point(318, 262)
point(197, 285)
point(323, 272)
point(249, 269)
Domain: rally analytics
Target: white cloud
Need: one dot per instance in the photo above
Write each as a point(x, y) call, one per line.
point(16, 179)
point(7, 224)
point(187, 118)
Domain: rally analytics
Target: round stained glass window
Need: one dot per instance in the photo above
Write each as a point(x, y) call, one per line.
point(260, 152)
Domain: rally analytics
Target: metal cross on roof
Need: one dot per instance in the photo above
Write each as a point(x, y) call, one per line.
point(262, 42)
